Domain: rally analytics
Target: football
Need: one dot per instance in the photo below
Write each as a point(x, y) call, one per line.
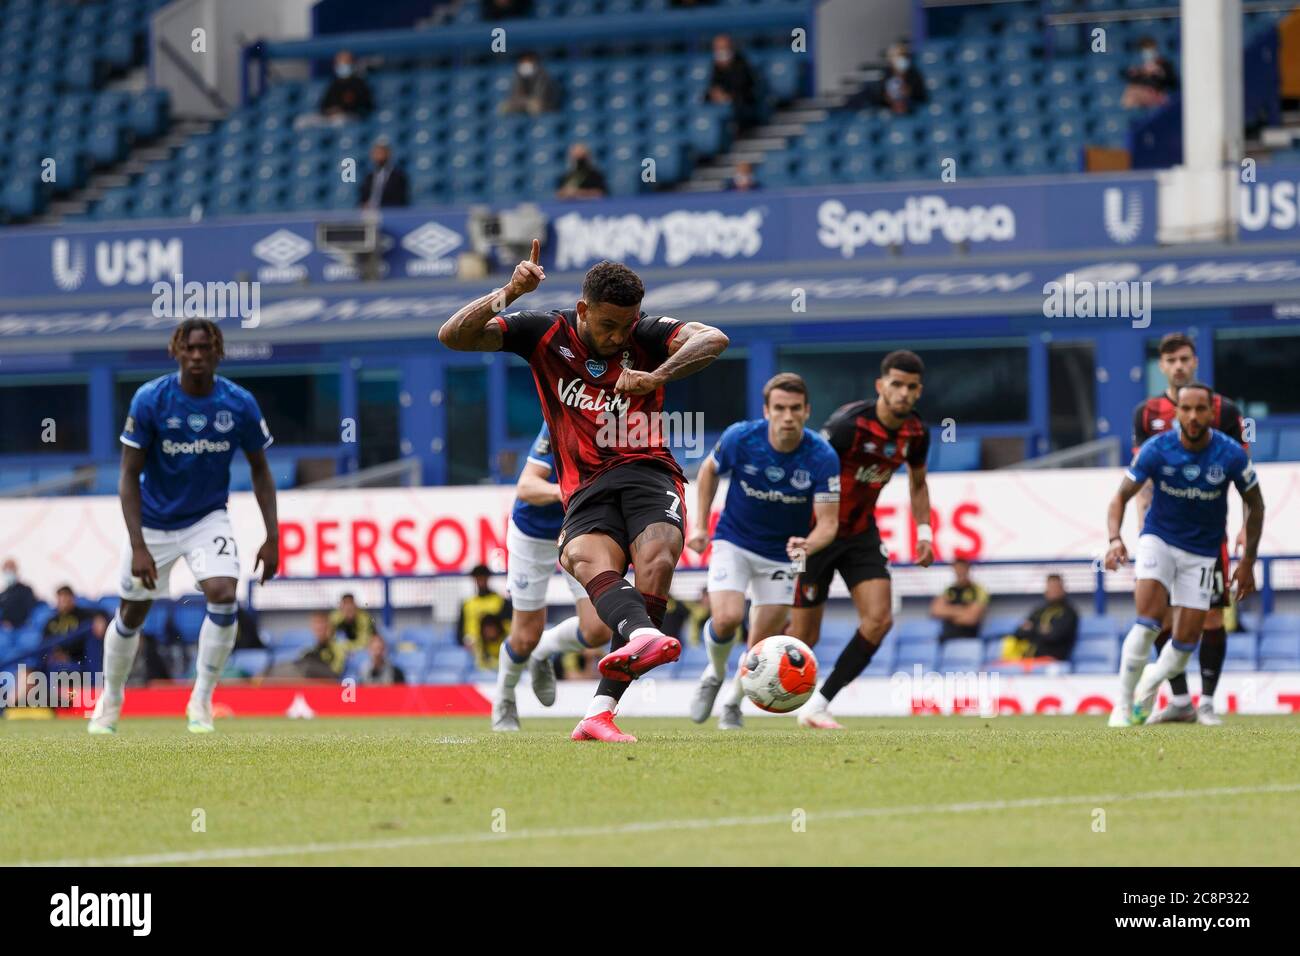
point(779, 673)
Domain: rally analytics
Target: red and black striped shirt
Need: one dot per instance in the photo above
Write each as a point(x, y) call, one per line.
point(869, 454)
point(576, 389)
point(1158, 414)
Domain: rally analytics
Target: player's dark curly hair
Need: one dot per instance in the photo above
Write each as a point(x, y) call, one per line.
point(904, 361)
point(612, 282)
point(1175, 341)
point(181, 335)
point(1197, 385)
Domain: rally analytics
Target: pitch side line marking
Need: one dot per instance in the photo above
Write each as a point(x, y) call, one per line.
point(650, 826)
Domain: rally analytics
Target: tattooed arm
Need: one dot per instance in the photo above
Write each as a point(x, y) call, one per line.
point(694, 347)
point(471, 329)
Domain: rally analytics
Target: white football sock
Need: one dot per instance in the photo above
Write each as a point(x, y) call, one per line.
point(816, 703)
point(119, 654)
point(719, 648)
point(601, 703)
point(733, 693)
point(508, 671)
point(560, 639)
point(1180, 700)
point(642, 630)
point(215, 643)
point(1133, 656)
point(1171, 662)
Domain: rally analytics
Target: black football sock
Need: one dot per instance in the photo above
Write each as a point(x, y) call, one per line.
point(1177, 684)
point(1214, 648)
point(853, 660)
point(656, 607)
point(619, 605)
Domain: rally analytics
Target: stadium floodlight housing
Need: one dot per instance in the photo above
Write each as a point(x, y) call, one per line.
point(509, 233)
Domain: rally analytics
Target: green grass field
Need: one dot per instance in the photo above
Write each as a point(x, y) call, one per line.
point(1011, 790)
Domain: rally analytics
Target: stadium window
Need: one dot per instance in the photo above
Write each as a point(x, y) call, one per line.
point(1256, 369)
point(467, 415)
point(1071, 376)
point(378, 401)
point(29, 404)
point(523, 413)
point(300, 402)
point(982, 381)
point(719, 393)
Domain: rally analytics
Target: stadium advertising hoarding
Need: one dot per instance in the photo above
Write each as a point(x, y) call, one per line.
point(1268, 208)
point(1246, 281)
point(830, 225)
point(1000, 515)
point(901, 695)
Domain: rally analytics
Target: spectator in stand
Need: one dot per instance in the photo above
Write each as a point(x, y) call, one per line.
point(385, 185)
point(379, 669)
point(744, 179)
point(16, 599)
point(1050, 630)
point(354, 625)
point(347, 98)
point(582, 180)
point(903, 88)
point(732, 82)
point(534, 91)
point(328, 656)
point(473, 609)
point(505, 9)
point(487, 645)
point(68, 620)
point(1151, 80)
point(961, 606)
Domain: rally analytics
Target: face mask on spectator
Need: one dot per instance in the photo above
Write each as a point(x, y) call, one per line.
point(901, 63)
point(343, 70)
point(527, 69)
point(722, 57)
point(1149, 55)
point(8, 579)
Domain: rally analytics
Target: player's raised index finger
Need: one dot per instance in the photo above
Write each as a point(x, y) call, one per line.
point(536, 255)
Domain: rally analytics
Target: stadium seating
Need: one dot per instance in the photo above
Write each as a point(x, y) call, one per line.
point(55, 59)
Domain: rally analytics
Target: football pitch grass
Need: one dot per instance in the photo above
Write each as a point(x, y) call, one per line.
point(909, 791)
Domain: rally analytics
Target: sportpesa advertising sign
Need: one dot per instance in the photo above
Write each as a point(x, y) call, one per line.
point(836, 225)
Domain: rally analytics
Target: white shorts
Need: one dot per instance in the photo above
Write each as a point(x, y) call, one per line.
point(735, 569)
point(1189, 578)
point(208, 547)
point(532, 562)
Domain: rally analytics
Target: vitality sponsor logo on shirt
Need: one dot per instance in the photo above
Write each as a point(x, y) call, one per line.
point(574, 393)
point(873, 474)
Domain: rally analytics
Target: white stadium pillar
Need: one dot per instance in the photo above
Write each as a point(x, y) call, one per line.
point(1197, 198)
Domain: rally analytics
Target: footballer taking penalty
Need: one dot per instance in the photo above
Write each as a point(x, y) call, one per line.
point(873, 440)
point(1189, 469)
point(783, 475)
point(180, 436)
point(599, 368)
point(535, 522)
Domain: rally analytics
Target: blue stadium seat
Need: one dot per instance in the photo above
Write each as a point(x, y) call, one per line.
point(915, 630)
point(1094, 625)
point(1243, 651)
point(999, 625)
point(1279, 651)
point(961, 654)
point(250, 661)
point(188, 617)
point(922, 653)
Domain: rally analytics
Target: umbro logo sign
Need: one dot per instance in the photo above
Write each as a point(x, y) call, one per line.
point(173, 422)
point(564, 350)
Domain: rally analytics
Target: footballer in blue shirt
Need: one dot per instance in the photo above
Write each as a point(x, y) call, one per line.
point(531, 542)
point(782, 506)
point(1189, 469)
point(180, 436)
